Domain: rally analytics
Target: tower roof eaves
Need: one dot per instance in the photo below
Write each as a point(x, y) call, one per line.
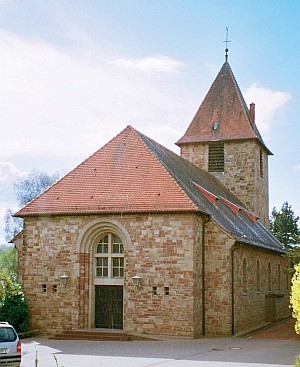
point(225, 105)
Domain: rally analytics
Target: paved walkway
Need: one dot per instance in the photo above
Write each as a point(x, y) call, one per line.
point(259, 350)
point(284, 330)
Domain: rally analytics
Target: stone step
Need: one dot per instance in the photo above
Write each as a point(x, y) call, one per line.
point(92, 335)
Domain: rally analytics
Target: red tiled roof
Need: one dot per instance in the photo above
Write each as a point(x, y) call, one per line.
point(133, 173)
point(224, 104)
point(122, 176)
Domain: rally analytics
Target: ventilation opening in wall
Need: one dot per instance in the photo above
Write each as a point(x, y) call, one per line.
point(261, 164)
point(216, 157)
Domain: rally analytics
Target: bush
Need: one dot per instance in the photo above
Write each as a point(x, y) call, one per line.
point(13, 305)
point(295, 297)
point(297, 361)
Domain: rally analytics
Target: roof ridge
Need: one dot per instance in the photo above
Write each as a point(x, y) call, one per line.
point(142, 138)
point(240, 95)
point(246, 109)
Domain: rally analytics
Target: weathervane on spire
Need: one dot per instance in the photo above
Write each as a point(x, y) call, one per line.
point(226, 49)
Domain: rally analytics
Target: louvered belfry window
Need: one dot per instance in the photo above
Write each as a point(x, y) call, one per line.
point(216, 158)
point(261, 164)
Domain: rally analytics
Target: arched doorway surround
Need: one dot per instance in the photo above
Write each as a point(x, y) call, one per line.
point(86, 246)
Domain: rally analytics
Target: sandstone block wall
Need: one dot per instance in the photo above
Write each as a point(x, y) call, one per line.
point(264, 296)
point(218, 303)
point(242, 172)
point(164, 250)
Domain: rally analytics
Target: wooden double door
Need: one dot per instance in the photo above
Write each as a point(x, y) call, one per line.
point(109, 307)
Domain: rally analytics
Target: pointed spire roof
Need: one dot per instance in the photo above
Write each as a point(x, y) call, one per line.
point(223, 114)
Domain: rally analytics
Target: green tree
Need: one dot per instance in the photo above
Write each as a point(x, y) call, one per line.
point(284, 225)
point(9, 260)
point(26, 189)
point(295, 297)
point(293, 254)
point(13, 304)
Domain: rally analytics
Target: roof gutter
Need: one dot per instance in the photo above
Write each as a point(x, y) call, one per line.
point(113, 212)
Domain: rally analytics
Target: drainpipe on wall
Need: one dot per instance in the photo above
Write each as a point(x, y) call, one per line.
point(233, 249)
point(205, 220)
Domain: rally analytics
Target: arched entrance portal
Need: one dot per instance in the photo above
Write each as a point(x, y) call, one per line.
point(108, 281)
point(102, 246)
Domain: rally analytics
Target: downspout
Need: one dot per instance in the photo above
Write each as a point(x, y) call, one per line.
point(233, 249)
point(203, 275)
point(22, 250)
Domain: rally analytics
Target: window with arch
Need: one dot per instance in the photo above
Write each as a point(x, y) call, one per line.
point(279, 277)
point(269, 277)
point(244, 279)
point(109, 257)
point(258, 289)
point(287, 282)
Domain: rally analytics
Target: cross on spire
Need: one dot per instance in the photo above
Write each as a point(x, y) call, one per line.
point(226, 49)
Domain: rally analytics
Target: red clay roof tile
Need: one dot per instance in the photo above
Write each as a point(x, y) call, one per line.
point(133, 173)
point(225, 106)
point(122, 176)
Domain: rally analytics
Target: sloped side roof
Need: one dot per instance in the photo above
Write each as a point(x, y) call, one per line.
point(133, 173)
point(240, 226)
point(225, 104)
point(122, 176)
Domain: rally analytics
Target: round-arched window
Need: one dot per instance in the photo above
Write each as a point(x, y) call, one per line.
point(109, 257)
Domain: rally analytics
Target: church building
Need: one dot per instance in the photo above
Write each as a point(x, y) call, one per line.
point(139, 238)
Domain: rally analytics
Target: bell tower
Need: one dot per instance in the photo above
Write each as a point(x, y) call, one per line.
point(223, 139)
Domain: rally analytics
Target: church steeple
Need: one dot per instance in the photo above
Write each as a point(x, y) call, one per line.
point(224, 140)
point(223, 114)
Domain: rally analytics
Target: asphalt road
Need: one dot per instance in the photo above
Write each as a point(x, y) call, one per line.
point(206, 352)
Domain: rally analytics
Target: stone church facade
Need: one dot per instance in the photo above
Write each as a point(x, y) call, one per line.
point(141, 239)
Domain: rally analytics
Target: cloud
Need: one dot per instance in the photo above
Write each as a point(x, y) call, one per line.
point(296, 167)
point(9, 173)
point(159, 64)
point(60, 105)
point(267, 103)
point(69, 102)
